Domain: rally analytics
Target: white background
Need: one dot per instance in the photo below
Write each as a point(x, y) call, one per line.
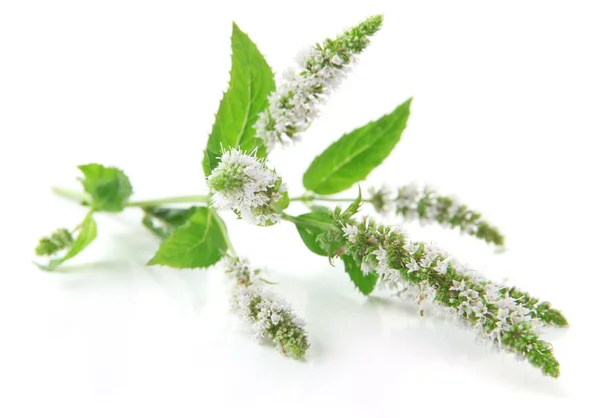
point(505, 115)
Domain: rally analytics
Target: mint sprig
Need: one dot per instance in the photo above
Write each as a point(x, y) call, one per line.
point(256, 115)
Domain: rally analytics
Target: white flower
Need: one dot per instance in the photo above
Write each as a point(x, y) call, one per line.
point(479, 309)
point(506, 302)
point(441, 266)
point(469, 294)
point(458, 286)
point(337, 60)
point(242, 183)
point(464, 309)
point(427, 291)
point(411, 247)
point(412, 265)
point(492, 292)
point(350, 231)
point(426, 261)
point(366, 268)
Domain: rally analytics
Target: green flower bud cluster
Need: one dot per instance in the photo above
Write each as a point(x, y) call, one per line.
point(59, 240)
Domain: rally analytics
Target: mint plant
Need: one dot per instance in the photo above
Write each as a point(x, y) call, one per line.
point(256, 115)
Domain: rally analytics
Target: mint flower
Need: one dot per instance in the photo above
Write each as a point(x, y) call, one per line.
point(428, 207)
point(243, 183)
point(267, 315)
point(294, 105)
point(506, 317)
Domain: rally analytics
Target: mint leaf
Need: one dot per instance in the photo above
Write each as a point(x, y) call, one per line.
point(352, 157)
point(309, 233)
point(251, 81)
point(108, 187)
point(163, 221)
point(354, 206)
point(87, 234)
point(200, 242)
point(364, 283)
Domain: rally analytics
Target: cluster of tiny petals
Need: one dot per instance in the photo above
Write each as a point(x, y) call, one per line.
point(427, 206)
point(295, 103)
point(267, 315)
point(243, 183)
point(423, 273)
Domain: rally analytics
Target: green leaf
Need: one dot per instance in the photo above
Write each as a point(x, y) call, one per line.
point(200, 242)
point(364, 283)
point(87, 234)
point(309, 233)
point(354, 206)
point(108, 187)
point(284, 201)
point(163, 221)
point(211, 161)
point(351, 158)
point(251, 81)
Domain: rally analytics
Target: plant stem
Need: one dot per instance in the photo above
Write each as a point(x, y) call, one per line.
point(310, 198)
point(309, 222)
point(71, 194)
point(85, 198)
point(176, 199)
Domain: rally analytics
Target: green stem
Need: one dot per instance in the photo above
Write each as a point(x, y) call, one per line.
point(85, 198)
point(176, 199)
point(71, 194)
point(309, 222)
point(311, 198)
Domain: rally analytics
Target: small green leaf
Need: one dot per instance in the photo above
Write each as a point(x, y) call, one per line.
point(284, 201)
point(354, 206)
point(351, 158)
point(210, 162)
point(108, 187)
point(200, 242)
point(364, 283)
point(251, 81)
point(87, 234)
point(310, 233)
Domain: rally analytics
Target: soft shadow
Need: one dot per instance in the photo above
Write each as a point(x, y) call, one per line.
point(455, 345)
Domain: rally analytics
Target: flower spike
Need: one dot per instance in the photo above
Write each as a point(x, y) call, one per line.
point(266, 314)
point(243, 183)
point(504, 316)
point(294, 105)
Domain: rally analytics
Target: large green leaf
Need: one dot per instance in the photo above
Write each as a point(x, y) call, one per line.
point(200, 242)
point(351, 158)
point(87, 234)
point(364, 282)
point(251, 81)
point(108, 187)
